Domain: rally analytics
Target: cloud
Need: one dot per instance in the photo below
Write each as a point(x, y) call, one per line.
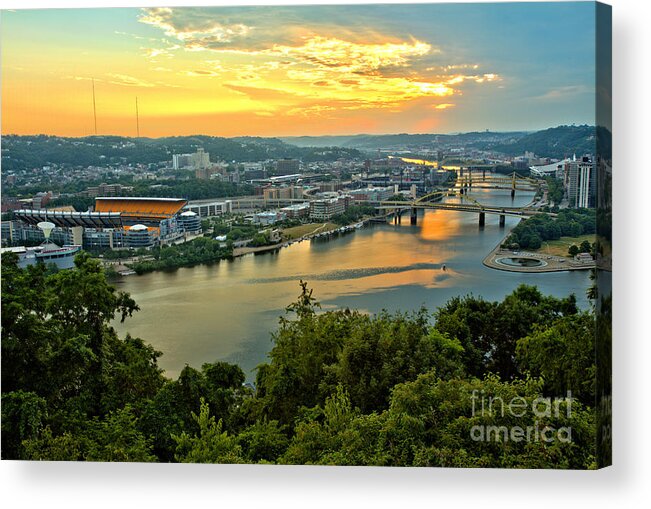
point(212, 68)
point(193, 26)
point(560, 93)
point(348, 56)
point(312, 66)
point(128, 81)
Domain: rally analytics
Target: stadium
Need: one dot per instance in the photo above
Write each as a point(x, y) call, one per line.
point(115, 222)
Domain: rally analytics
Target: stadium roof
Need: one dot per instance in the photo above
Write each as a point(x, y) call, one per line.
point(69, 219)
point(159, 208)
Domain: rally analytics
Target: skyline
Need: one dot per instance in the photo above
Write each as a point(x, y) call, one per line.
point(292, 71)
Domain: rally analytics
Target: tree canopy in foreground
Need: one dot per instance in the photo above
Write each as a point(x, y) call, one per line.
point(339, 388)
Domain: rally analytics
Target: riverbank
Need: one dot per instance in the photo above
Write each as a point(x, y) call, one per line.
point(323, 230)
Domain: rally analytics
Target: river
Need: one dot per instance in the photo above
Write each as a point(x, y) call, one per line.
point(227, 311)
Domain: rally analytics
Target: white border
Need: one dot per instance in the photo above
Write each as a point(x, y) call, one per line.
point(71, 485)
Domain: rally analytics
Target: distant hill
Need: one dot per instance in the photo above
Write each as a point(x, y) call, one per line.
point(557, 142)
point(405, 141)
point(25, 152)
point(21, 152)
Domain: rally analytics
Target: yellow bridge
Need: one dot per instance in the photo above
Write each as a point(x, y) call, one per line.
point(468, 204)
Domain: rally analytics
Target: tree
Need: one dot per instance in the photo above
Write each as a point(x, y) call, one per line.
point(573, 250)
point(23, 414)
point(563, 356)
point(489, 331)
point(115, 438)
point(210, 445)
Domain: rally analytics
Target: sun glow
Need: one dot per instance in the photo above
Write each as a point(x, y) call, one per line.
point(195, 71)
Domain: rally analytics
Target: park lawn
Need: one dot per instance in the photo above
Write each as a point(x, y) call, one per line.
point(296, 232)
point(559, 247)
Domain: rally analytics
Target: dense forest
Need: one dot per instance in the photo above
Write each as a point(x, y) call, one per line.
point(24, 152)
point(339, 387)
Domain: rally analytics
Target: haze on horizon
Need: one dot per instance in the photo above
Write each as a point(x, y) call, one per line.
point(299, 71)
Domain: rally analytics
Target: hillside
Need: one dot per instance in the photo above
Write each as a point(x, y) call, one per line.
point(405, 141)
point(557, 142)
point(20, 152)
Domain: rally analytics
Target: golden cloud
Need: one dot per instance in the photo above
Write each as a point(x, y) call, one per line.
point(306, 72)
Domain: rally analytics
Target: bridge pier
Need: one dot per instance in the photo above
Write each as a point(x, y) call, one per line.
point(482, 219)
point(414, 216)
point(483, 174)
point(502, 220)
point(512, 193)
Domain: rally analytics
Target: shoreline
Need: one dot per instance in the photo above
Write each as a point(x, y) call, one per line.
point(242, 251)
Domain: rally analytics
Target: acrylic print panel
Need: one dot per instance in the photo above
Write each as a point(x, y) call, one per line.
point(332, 235)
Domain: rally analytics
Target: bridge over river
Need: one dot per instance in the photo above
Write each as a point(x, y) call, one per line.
point(433, 200)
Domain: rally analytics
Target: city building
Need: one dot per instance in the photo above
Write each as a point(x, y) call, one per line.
point(208, 172)
point(268, 217)
point(283, 193)
point(325, 209)
point(287, 166)
point(40, 200)
point(198, 160)
point(105, 190)
point(209, 208)
point(582, 183)
point(333, 185)
point(372, 194)
point(297, 210)
point(254, 173)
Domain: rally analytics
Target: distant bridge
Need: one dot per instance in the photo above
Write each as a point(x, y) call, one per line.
point(434, 201)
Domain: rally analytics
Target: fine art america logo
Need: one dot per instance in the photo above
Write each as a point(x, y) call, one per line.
point(541, 409)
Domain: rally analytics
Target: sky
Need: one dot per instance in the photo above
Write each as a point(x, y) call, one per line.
point(298, 70)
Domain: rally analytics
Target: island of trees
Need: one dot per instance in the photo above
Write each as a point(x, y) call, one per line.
point(339, 387)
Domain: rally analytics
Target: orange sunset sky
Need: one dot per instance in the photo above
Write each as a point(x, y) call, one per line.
point(273, 71)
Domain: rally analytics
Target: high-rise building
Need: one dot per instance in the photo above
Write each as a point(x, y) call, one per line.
point(196, 161)
point(582, 183)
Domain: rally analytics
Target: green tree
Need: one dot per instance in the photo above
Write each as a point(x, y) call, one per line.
point(563, 356)
point(115, 438)
point(23, 414)
point(210, 445)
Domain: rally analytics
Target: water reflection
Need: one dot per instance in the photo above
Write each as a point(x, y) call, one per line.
point(226, 311)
